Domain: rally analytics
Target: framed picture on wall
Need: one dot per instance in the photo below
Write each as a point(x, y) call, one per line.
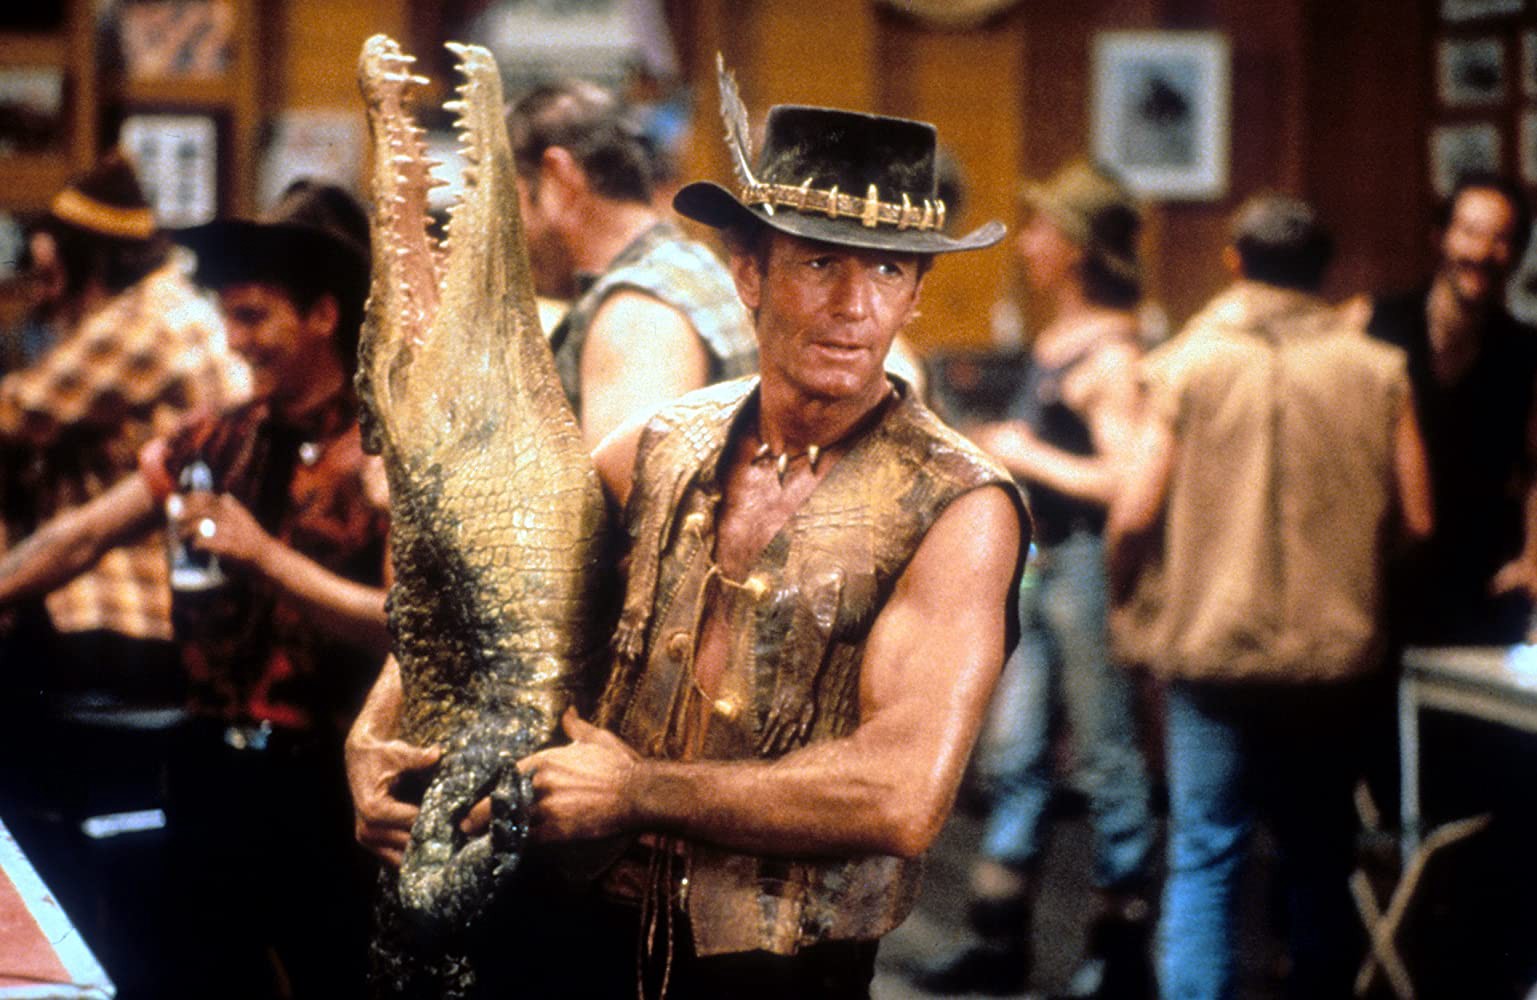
point(176, 39)
point(1160, 115)
point(33, 109)
point(1471, 71)
point(1529, 63)
point(177, 156)
point(1470, 10)
point(1521, 292)
point(1459, 149)
point(1526, 146)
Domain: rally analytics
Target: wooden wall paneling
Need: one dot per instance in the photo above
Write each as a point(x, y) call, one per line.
point(318, 69)
point(1266, 144)
point(703, 28)
point(1057, 53)
point(971, 86)
point(807, 52)
point(324, 39)
point(1368, 98)
point(246, 107)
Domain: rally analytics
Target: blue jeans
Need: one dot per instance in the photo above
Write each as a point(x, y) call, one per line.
point(1063, 657)
point(1290, 752)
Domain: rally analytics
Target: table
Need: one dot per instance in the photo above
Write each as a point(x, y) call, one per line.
point(1495, 683)
point(41, 955)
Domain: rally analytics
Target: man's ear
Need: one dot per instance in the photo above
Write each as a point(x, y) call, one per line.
point(748, 278)
point(559, 169)
point(321, 318)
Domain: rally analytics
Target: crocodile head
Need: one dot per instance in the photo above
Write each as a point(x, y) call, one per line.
point(439, 311)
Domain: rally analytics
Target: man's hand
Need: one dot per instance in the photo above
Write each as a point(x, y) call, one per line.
point(383, 822)
point(1518, 575)
point(583, 790)
point(218, 523)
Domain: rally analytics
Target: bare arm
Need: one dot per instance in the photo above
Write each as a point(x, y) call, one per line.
point(930, 664)
point(1138, 506)
point(640, 353)
point(376, 759)
point(71, 543)
point(1108, 407)
point(1411, 470)
point(355, 611)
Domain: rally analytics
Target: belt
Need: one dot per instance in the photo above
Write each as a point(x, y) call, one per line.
point(646, 862)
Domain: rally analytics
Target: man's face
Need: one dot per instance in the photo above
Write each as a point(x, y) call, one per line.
point(826, 314)
point(270, 333)
point(1477, 247)
point(1049, 257)
point(554, 274)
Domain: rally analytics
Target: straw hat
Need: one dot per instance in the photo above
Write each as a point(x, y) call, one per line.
point(106, 201)
point(1094, 211)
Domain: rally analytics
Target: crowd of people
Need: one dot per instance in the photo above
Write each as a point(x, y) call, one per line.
point(829, 595)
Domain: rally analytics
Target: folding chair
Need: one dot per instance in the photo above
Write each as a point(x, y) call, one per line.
point(1382, 927)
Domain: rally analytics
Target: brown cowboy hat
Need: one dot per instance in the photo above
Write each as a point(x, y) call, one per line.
point(840, 177)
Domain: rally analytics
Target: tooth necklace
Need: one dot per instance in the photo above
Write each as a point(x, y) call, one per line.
point(782, 458)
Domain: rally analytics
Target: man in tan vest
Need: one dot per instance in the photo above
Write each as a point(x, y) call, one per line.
point(1281, 460)
point(818, 605)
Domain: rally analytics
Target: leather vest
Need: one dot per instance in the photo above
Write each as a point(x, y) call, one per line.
point(798, 622)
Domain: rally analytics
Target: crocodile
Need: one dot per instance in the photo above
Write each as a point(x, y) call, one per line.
point(498, 517)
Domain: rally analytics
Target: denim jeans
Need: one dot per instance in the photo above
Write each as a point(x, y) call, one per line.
point(1063, 659)
point(1288, 752)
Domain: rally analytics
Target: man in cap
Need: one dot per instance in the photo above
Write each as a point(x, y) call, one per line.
point(1280, 462)
point(654, 314)
point(800, 671)
point(1068, 445)
point(279, 654)
point(138, 348)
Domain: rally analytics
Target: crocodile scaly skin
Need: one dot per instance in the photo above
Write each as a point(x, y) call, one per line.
point(497, 512)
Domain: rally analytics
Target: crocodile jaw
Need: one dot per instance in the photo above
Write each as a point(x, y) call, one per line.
point(429, 298)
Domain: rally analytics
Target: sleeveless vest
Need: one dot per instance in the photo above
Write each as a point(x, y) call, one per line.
point(679, 273)
point(798, 624)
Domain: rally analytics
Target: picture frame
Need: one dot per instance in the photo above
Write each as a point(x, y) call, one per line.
point(1526, 146)
point(1472, 10)
point(177, 39)
point(324, 144)
point(177, 158)
point(1161, 111)
point(34, 110)
point(1529, 63)
point(1521, 291)
point(1471, 72)
point(1459, 149)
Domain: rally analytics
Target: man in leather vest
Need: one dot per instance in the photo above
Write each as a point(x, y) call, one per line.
point(818, 604)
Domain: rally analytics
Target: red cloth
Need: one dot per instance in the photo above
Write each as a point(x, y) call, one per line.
point(251, 653)
point(26, 955)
